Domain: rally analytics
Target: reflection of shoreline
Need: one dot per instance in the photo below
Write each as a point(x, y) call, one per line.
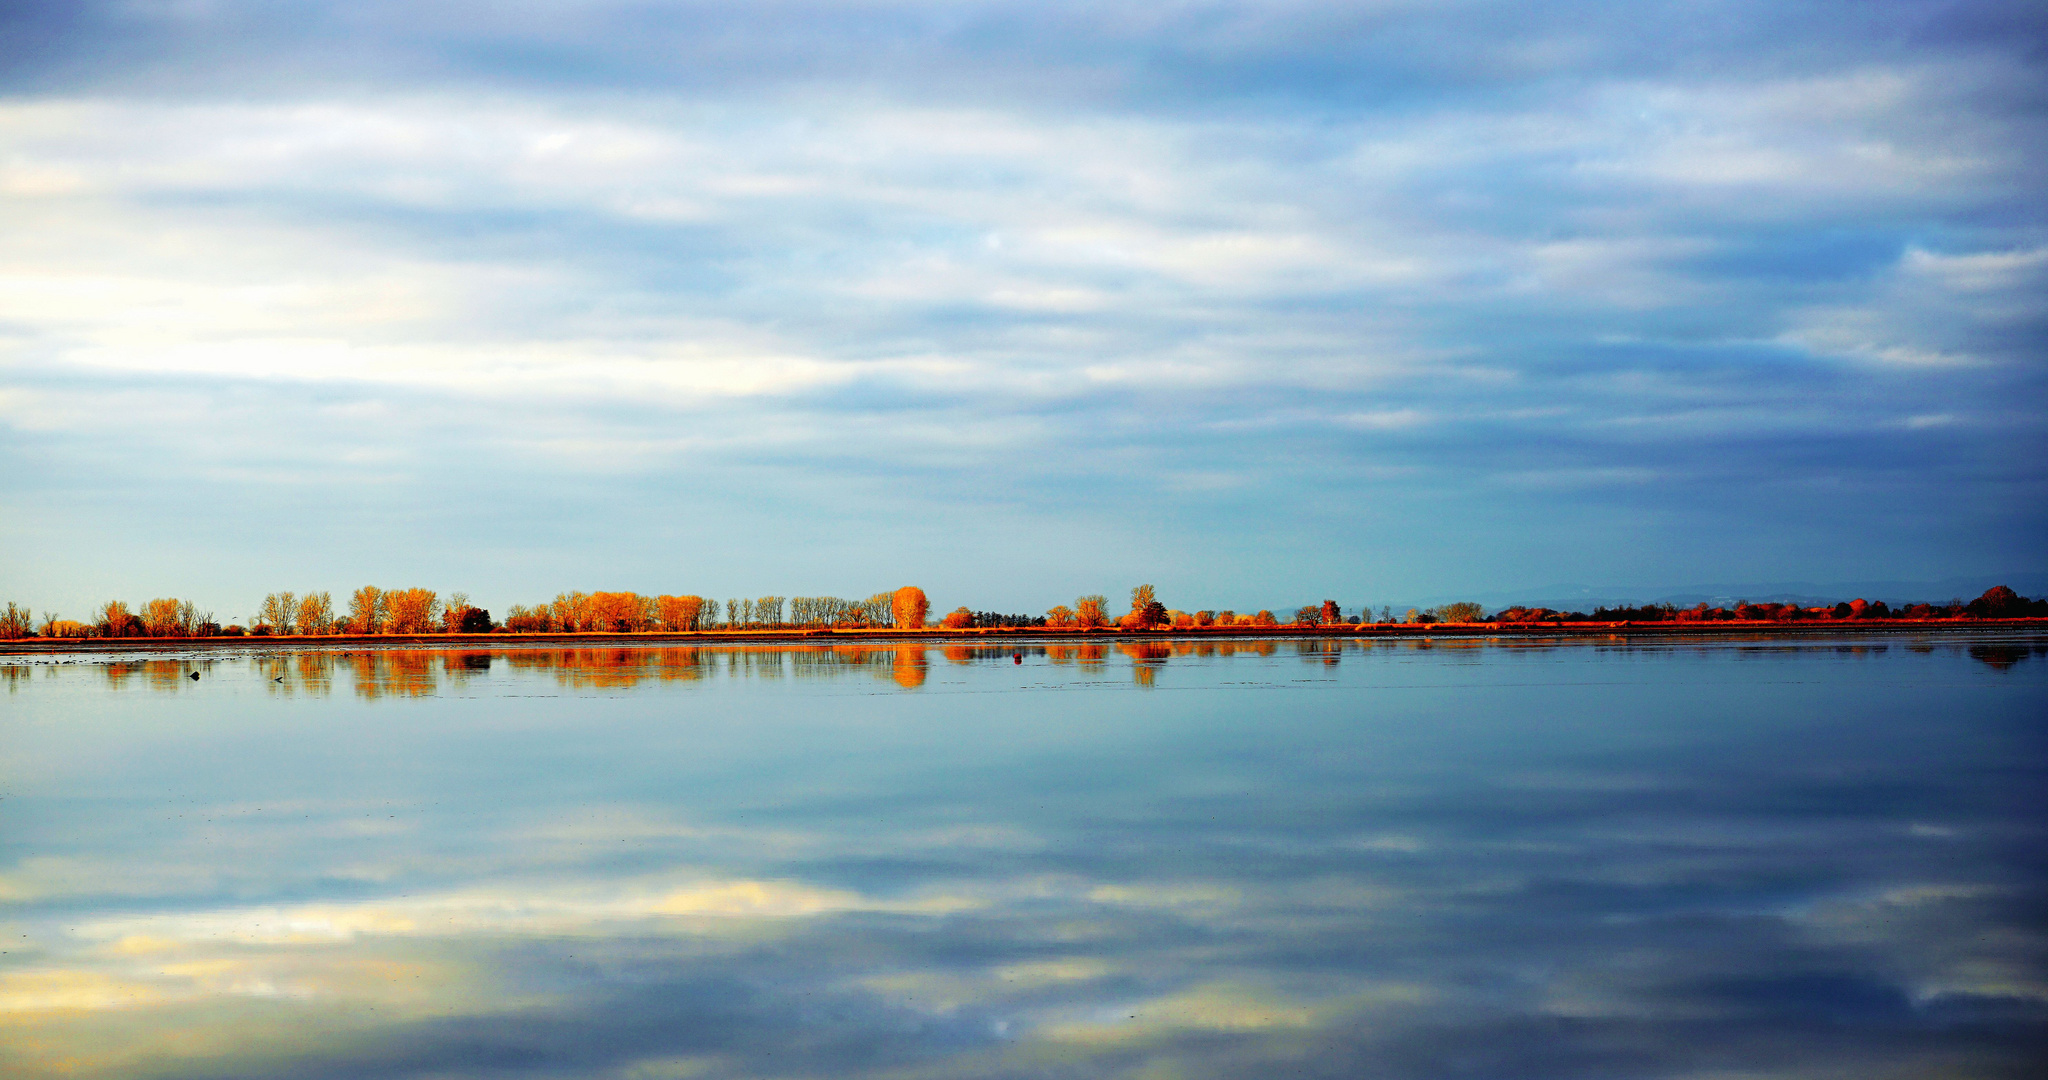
point(288, 669)
point(934, 637)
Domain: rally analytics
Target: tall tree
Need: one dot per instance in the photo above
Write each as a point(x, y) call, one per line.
point(1142, 598)
point(17, 622)
point(160, 617)
point(279, 611)
point(571, 611)
point(413, 610)
point(316, 613)
point(1088, 610)
point(909, 607)
point(366, 611)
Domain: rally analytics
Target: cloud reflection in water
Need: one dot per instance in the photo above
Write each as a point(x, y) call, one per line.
point(1315, 858)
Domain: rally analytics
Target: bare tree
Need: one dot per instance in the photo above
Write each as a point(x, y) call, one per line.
point(279, 611)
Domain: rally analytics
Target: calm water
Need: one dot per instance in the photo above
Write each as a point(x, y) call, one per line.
point(1289, 859)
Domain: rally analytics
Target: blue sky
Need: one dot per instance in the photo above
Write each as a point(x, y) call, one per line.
point(1261, 303)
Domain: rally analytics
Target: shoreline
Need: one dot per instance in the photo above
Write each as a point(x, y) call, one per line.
point(1021, 634)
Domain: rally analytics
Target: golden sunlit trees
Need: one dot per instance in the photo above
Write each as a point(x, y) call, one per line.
point(1088, 613)
point(678, 613)
point(1264, 618)
point(958, 619)
point(366, 611)
point(412, 611)
point(16, 622)
point(279, 612)
point(616, 612)
point(1462, 611)
point(316, 613)
point(1226, 617)
point(1146, 610)
point(161, 617)
point(908, 606)
point(114, 620)
point(521, 619)
point(455, 612)
point(570, 612)
point(1059, 615)
point(1331, 613)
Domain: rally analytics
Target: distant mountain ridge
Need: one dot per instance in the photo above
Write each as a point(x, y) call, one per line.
point(1574, 597)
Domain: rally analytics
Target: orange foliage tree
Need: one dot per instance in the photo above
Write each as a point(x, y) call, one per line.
point(412, 610)
point(909, 607)
point(1142, 599)
point(316, 613)
point(116, 621)
point(1060, 615)
point(959, 618)
point(618, 612)
point(1088, 611)
point(16, 622)
point(366, 611)
point(161, 617)
point(571, 612)
point(678, 613)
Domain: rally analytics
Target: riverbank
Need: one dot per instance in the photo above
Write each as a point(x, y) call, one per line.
point(1751, 629)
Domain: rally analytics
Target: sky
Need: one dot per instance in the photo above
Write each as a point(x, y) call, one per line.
point(1260, 303)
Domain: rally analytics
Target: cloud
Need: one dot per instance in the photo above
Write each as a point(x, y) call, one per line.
point(1249, 269)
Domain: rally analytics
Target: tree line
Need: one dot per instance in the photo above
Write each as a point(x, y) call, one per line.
point(373, 610)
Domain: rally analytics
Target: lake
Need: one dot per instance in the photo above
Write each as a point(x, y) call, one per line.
point(1499, 859)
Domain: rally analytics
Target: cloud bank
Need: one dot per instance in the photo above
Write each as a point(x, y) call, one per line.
point(1246, 299)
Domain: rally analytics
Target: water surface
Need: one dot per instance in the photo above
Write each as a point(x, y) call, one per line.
point(1391, 859)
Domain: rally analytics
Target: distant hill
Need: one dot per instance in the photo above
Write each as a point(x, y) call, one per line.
point(1571, 597)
